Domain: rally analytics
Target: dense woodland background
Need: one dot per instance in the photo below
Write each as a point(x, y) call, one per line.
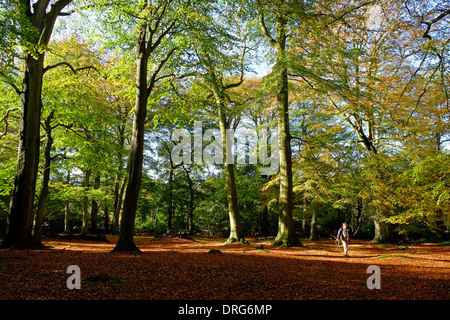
point(365, 139)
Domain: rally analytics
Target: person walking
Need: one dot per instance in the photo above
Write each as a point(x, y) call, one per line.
point(343, 235)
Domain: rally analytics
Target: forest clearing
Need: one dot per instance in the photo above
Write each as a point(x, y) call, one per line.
point(183, 269)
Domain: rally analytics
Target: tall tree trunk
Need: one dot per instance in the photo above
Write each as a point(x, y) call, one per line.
point(86, 184)
point(190, 213)
point(190, 208)
point(170, 201)
point(359, 214)
point(236, 234)
point(106, 219)
point(304, 223)
point(115, 222)
point(118, 187)
point(144, 49)
point(18, 232)
point(94, 206)
point(304, 231)
point(313, 233)
point(39, 217)
point(67, 209)
point(383, 230)
point(126, 242)
point(286, 233)
point(118, 206)
point(265, 221)
point(440, 224)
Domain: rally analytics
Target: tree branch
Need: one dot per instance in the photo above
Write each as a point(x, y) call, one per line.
point(265, 32)
point(62, 155)
point(12, 84)
point(296, 138)
point(241, 78)
point(151, 47)
point(74, 70)
point(69, 126)
point(349, 11)
point(430, 23)
point(161, 64)
point(49, 21)
point(5, 119)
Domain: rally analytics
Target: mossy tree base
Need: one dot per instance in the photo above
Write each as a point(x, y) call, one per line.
point(231, 240)
point(287, 242)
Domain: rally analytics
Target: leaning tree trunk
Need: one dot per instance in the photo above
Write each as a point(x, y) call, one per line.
point(126, 242)
point(18, 232)
point(39, 218)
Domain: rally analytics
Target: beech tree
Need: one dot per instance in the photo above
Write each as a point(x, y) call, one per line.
point(219, 66)
point(274, 19)
point(359, 92)
point(152, 25)
point(32, 25)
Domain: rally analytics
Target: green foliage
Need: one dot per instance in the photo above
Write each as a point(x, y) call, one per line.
point(424, 194)
point(368, 111)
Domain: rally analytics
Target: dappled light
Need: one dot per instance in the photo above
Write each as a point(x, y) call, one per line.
point(224, 150)
point(173, 268)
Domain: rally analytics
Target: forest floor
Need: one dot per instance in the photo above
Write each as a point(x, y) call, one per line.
point(175, 268)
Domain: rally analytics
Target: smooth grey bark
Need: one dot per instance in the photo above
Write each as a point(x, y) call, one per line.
point(67, 209)
point(170, 210)
point(126, 234)
point(119, 183)
point(286, 234)
point(236, 234)
point(18, 232)
point(146, 42)
point(86, 185)
point(190, 211)
point(313, 230)
point(39, 217)
point(94, 206)
point(118, 205)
